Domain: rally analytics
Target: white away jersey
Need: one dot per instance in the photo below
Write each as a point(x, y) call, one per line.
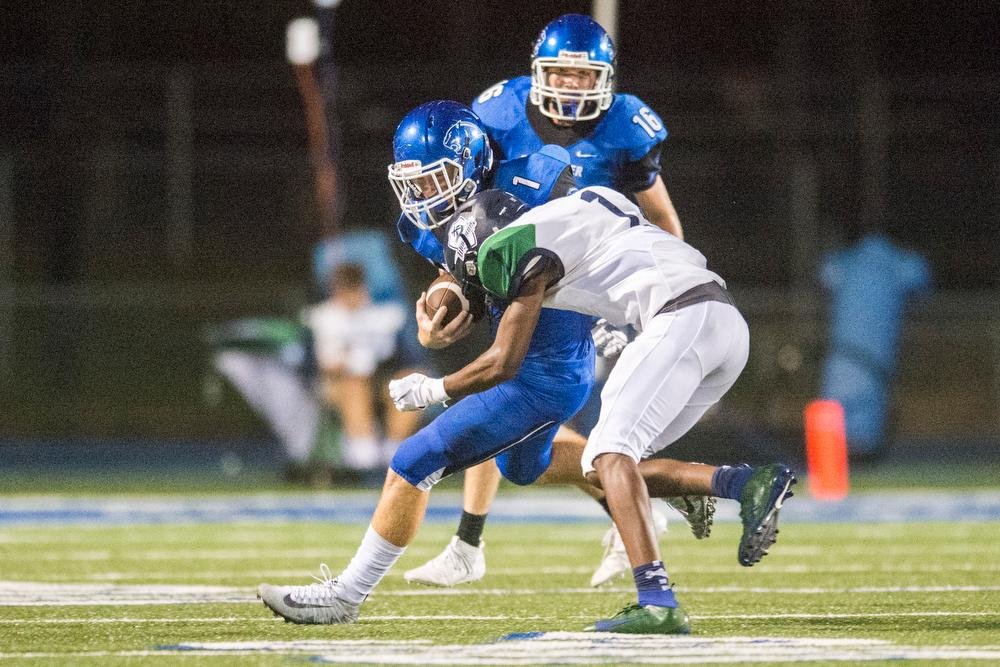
point(613, 263)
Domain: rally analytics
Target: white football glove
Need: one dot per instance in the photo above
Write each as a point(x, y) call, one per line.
point(608, 340)
point(416, 391)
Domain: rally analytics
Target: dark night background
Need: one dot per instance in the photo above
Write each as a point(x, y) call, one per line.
point(793, 126)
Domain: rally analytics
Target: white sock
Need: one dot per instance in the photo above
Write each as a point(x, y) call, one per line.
point(372, 560)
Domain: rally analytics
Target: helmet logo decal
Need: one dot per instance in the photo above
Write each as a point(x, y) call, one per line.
point(573, 55)
point(457, 136)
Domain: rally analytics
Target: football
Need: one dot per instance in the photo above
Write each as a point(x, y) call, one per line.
point(445, 292)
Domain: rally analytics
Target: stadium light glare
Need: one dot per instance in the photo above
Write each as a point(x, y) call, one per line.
point(302, 41)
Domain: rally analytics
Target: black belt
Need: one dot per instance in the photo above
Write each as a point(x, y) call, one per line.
point(711, 291)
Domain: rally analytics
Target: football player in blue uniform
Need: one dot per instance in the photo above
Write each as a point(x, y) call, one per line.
point(442, 158)
point(613, 139)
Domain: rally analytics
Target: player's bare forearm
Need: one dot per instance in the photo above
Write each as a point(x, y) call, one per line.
point(658, 209)
point(503, 359)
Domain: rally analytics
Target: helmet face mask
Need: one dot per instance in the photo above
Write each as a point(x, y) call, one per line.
point(429, 194)
point(570, 104)
point(442, 156)
point(572, 42)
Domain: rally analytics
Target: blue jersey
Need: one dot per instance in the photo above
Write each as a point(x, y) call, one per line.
point(561, 347)
point(619, 149)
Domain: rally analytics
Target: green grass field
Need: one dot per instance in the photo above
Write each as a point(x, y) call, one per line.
point(82, 595)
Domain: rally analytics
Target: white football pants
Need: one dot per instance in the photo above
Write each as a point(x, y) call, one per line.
point(666, 379)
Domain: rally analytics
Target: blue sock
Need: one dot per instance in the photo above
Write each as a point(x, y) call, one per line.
point(651, 582)
point(728, 481)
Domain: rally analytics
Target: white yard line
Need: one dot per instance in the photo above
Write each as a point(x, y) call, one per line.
point(29, 593)
point(499, 617)
point(102, 619)
point(567, 648)
point(691, 589)
point(880, 614)
point(676, 553)
point(299, 573)
point(262, 619)
point(262, 553)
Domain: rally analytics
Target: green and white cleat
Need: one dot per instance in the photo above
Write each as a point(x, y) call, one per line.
point(648, 620)
point(698, 511)
point(766, 491)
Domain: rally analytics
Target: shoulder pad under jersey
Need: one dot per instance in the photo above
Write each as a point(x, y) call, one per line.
point(631, 127)
point(501, 106)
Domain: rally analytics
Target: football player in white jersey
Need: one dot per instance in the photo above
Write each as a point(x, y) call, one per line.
point(592, 252)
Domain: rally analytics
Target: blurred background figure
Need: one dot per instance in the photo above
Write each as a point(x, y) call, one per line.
point(320, 384)
point(362, 332)
point(355, 343)
point(870, 284)
point(267, 361)
point(326, 401)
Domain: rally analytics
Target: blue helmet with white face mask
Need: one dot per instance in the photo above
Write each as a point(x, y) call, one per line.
point(573, 42)
point(442, 156)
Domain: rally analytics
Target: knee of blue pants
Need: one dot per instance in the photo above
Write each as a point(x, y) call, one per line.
point(521, 475)
point(421, 459)
point(526, 462)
